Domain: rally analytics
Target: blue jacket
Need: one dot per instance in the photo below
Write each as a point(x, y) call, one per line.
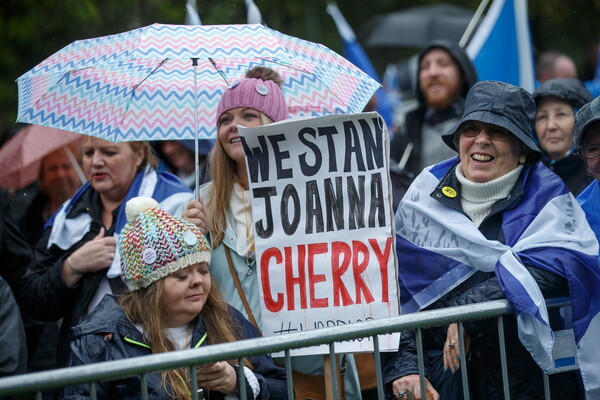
point(91, 344)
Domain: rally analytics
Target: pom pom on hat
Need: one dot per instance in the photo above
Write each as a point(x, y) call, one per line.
point(137, 205)
point(155, 244)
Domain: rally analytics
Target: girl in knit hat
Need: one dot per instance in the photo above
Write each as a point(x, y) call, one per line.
point(253, 101)
point(172, 305)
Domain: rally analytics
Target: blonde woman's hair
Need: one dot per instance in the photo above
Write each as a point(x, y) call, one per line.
point(146, 307)
point(223, 169)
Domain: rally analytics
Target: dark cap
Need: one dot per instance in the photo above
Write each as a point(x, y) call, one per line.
point(501, 104)
point(568, 89)
point(587, 114)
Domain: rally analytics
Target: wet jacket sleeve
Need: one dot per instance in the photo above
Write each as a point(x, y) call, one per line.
point(403, 363)
point(13, 346)
point(15, 252)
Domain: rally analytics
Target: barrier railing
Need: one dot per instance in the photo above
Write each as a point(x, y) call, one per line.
point(94, 373)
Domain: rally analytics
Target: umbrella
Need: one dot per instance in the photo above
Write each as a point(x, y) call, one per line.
point(21, 156)
point(164, 81)
point(417, 26)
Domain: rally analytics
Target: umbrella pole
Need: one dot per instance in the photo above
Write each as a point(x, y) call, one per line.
point(196, 159)
point(75, 164)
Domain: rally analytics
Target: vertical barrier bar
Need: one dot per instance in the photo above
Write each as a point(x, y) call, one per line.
point(421, 361)
point(333, 368)
point(463, 362)
point(193, 382)
point(242, 379)
point(546, 386)
point(503, 362)
point(93, 390)
point(144, 387)
point(378, 372)
point(288, 375)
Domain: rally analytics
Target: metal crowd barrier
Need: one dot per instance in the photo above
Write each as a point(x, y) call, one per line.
point(110, 370)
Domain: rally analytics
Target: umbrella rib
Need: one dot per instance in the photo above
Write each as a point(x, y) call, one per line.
point(218, 70)
point(148, 75)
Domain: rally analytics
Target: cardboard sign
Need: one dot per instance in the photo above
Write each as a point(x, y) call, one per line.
point(323, 222)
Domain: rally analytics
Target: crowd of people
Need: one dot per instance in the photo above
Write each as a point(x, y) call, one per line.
point(130, 263)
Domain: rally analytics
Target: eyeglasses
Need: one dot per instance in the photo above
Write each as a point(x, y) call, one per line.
point(589, 151)
point(493, 132)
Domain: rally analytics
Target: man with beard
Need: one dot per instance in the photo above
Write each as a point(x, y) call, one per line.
point(445, 75)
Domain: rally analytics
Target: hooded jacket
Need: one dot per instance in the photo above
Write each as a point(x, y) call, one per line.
point(107, 334)
point(411, 131)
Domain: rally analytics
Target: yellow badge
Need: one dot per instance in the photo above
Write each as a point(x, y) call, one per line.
point(449, 192)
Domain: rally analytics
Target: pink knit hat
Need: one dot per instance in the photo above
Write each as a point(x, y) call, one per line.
point(264, 96)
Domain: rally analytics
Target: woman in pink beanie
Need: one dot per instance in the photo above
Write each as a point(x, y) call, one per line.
point(253, 101)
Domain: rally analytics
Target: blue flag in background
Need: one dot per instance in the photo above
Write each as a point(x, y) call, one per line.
point(354, 53)
point(501, 47)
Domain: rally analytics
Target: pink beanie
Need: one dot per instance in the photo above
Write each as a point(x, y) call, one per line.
point(264, 96)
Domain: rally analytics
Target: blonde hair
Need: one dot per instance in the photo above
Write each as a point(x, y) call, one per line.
point(146, 307)
point(223, 169)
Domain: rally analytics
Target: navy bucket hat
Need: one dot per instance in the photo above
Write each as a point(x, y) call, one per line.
point(504, 105)
point(571, 90)
point(586, 115)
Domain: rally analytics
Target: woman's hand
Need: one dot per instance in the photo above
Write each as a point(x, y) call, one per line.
point(219, 376)
point(452, 349)
point(93, 256)
point(409, 387)
point(194, 213)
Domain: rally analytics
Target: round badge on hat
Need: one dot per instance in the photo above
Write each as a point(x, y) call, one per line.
point(262, 89)
point(189, 238)
point(149, 255)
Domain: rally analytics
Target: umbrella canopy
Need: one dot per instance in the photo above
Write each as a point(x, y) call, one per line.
point(165, 81)
point(21, 156)
point(417, 26)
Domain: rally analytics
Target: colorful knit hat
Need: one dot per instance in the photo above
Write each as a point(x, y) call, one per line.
point(155, 244)
point(263, 95)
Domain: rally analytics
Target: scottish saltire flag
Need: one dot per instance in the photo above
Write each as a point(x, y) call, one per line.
point(589, 200)
point(354, 53)
point(253, 15)
point(501, 47)
point(171, 194)
point(439, 248)
point(191, 13)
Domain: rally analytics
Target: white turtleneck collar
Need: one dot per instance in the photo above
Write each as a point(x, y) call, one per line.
point(478, 198)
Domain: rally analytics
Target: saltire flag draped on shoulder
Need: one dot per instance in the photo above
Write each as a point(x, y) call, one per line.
point(354, 53)
point(501, 47)
point(171, 194)
point(547, 229)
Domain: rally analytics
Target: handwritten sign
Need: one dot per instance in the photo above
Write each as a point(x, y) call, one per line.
point(322, 213)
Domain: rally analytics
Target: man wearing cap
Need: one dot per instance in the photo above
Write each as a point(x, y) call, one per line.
point(491, 224)
point(587, 140)
point(445, 75)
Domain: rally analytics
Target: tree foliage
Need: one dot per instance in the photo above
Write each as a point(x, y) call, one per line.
point(34, 29)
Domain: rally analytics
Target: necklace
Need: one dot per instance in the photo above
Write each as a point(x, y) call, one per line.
point(249, 236)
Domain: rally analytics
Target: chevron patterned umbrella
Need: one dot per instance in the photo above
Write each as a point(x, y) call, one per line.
point(164, 81)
